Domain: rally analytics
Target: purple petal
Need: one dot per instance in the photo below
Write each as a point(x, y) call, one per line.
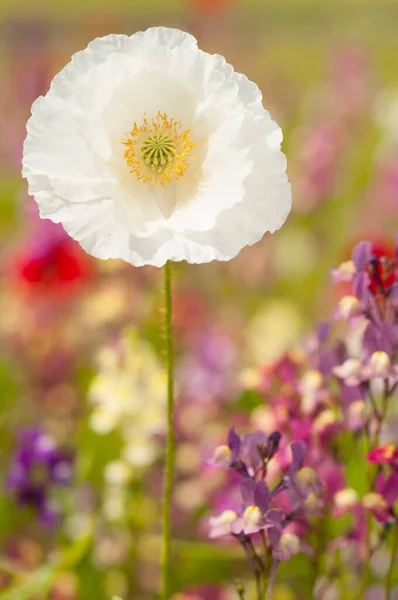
point(274, 518)
point(371, 339)
point(250, 448)
point(298, 450)
point(360, 283)
point(32, 495)
point(61, 471)
point(262, 496)
point(273, 444)
point(390, 491)
point(396, 247)
point(233, 442)
point(322, 332)
point(382, 337)
point(361, 255)
point(380, 483)
point(247, 488)
point(274, 526)
point(17, 476)
point(49, 515)
point(394, 294)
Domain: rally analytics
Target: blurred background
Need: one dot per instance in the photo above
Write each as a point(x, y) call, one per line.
point(81, 377)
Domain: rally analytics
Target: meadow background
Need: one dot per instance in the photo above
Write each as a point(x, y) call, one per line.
point(80, 340)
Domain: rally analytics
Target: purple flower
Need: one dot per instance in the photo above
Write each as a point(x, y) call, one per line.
point(378, 365)
point(301, 482)
point(361, 256)
point(283, 544)
point(256, 497)
point(247, 455)
point(37, 467)
point(381, 336)
point(228, 455)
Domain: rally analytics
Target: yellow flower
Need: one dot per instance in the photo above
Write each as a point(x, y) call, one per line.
point(128, 394)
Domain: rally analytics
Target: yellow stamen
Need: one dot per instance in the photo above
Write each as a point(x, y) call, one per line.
point(158, 152)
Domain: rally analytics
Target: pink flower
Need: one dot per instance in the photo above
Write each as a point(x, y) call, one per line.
point(386, 454)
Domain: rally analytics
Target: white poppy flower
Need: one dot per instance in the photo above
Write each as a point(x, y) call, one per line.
point(145, 148)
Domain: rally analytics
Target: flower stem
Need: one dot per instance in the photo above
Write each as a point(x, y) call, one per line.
point(240, 591)
point(394, 552)
point(170, 448)
point(254, 563)
point(267, 563)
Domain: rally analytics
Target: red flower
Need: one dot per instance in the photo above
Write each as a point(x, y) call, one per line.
point(55, 265)
point(382, 268)
point(211, 6)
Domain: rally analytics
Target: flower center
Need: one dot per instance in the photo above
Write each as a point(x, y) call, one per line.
point(158, 151)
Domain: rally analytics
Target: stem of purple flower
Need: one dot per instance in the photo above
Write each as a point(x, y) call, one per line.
point(320, 545)
point(380, 416)
point(394, 551)
point(267, 563)
point(240, 590)
point(255, 563)
point(270, 588)
point(170, 447)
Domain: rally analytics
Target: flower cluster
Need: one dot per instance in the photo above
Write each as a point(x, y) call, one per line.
point(39, 467)
point(372, 364)
point(264, 510)
point(381, 502)
point(374, 304)
point(333, 395)
point(128, 395)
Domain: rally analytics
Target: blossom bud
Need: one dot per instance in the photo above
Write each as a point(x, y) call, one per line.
point(252, 518)
point(324, 419)
point(222, 456)
point(344, 272)
point(375, 502)
point(349, 306)
point(250, 378)
point(221, 525)
point(307, 478)
point(349, 369)
point(312, 502)
point(311, 380)
point(346, 499)
point(310, 383)
point(117, 472)
point(380, 364)
point(272, 445)
point(289, 544)
point(45, 444)
point(356, 410)
point(262, 417)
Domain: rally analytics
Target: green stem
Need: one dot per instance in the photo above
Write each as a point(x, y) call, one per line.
point(380, 417)
point(254, 563)
point(240, 591)
point(394, 552)
point(267, 563)
point(170, 448)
